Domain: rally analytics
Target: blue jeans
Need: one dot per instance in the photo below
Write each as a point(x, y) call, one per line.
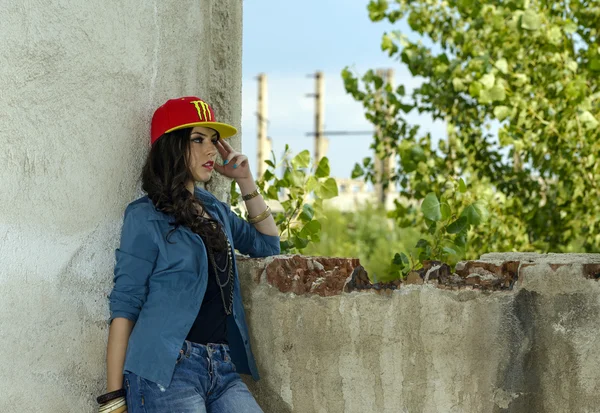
point(204, 381)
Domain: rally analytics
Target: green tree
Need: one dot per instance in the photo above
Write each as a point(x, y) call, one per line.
point(366, 234)
point(516, 82)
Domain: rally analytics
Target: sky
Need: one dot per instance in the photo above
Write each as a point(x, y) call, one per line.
point(289, 40)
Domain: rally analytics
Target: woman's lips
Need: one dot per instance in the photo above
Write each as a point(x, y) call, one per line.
point(209, 165)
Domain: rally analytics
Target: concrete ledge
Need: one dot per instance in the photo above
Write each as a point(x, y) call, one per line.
point(327, 276)
point(422, 348)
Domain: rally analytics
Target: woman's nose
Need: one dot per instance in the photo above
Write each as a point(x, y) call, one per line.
point(212, 149)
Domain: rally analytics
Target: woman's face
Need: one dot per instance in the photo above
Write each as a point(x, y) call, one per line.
point(203, 153)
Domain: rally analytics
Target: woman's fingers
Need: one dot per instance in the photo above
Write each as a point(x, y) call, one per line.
point(222, 150)
point(226, 145)
point(226, 152)
point(230, 156)
point(240, 160)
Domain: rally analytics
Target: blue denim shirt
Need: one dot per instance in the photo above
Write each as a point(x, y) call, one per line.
point(160, 285)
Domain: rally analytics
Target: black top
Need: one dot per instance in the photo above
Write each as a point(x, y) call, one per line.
point(210, 325)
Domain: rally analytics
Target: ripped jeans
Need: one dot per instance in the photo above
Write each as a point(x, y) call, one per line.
point(204, 381)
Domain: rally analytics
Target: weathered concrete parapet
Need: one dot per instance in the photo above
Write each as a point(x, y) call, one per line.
point(506, 333)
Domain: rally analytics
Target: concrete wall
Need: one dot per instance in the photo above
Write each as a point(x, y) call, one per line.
point(425, 349)
point(78, 83)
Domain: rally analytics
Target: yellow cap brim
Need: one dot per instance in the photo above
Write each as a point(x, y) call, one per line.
point(225, 130)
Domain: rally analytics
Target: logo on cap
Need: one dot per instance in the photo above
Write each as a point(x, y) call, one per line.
point(203, 110)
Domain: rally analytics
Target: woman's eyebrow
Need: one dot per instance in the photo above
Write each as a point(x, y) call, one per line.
point(205, 135)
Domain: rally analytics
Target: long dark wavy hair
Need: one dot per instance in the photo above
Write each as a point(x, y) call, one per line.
point(164, 179)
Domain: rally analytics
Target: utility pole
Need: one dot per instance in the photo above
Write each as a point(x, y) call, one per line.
point(385, 166)
point(264, 144)
point(321, 142)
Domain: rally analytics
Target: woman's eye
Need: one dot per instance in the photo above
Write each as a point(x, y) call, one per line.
point(214, 141)
point(197, 140)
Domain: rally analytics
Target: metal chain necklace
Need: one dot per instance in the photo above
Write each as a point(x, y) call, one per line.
point(228, 269)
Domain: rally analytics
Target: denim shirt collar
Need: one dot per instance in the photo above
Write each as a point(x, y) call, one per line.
point(206, 197)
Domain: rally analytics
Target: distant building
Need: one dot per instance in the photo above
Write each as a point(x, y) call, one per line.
point(356, 192)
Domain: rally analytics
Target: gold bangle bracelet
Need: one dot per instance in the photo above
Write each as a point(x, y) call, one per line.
point(260, 217)
point(251, 195)
point(122, 409)
point(118, 405)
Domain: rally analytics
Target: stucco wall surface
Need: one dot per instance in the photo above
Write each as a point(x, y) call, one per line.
point(78, 84)
point(427, 349)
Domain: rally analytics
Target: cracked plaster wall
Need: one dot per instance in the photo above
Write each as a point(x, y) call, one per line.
point(78, 84)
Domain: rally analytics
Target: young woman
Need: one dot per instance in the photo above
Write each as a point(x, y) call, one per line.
point(178, 336)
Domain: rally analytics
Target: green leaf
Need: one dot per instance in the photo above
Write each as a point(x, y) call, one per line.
point(311, 184)
point(476, 213)
point(461, 239)
point(307, 213)
point(458, 84)
point(588, 120)
point(302, 160)
point(431, 226)
point(270, 163)
point(446, 211)
point(357, 171)
point(300, 243)
point(327, 189)
point(272, 193)
point(377, 9)
point(555, 35)
point(387, 44)
point(502, 65)
point(425, 254)
point(323, 169)
point(285, 246)
point(497, 93)
point(520, 79)
point(449, 251)
point(594, 64)
point(431, 207)
point(475, 89)
point(401, 260)
point(296, 178)
point(422, 243)
point(310, 229)
point(530, 20)
point(462, 186)
point(570, 27)
point(501, 112)
point(488, 80)
point(268, 175)
point(458, 226)
point(417, 153)
point(485, 97)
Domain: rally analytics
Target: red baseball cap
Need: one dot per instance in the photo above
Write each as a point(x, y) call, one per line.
point(186, 112)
